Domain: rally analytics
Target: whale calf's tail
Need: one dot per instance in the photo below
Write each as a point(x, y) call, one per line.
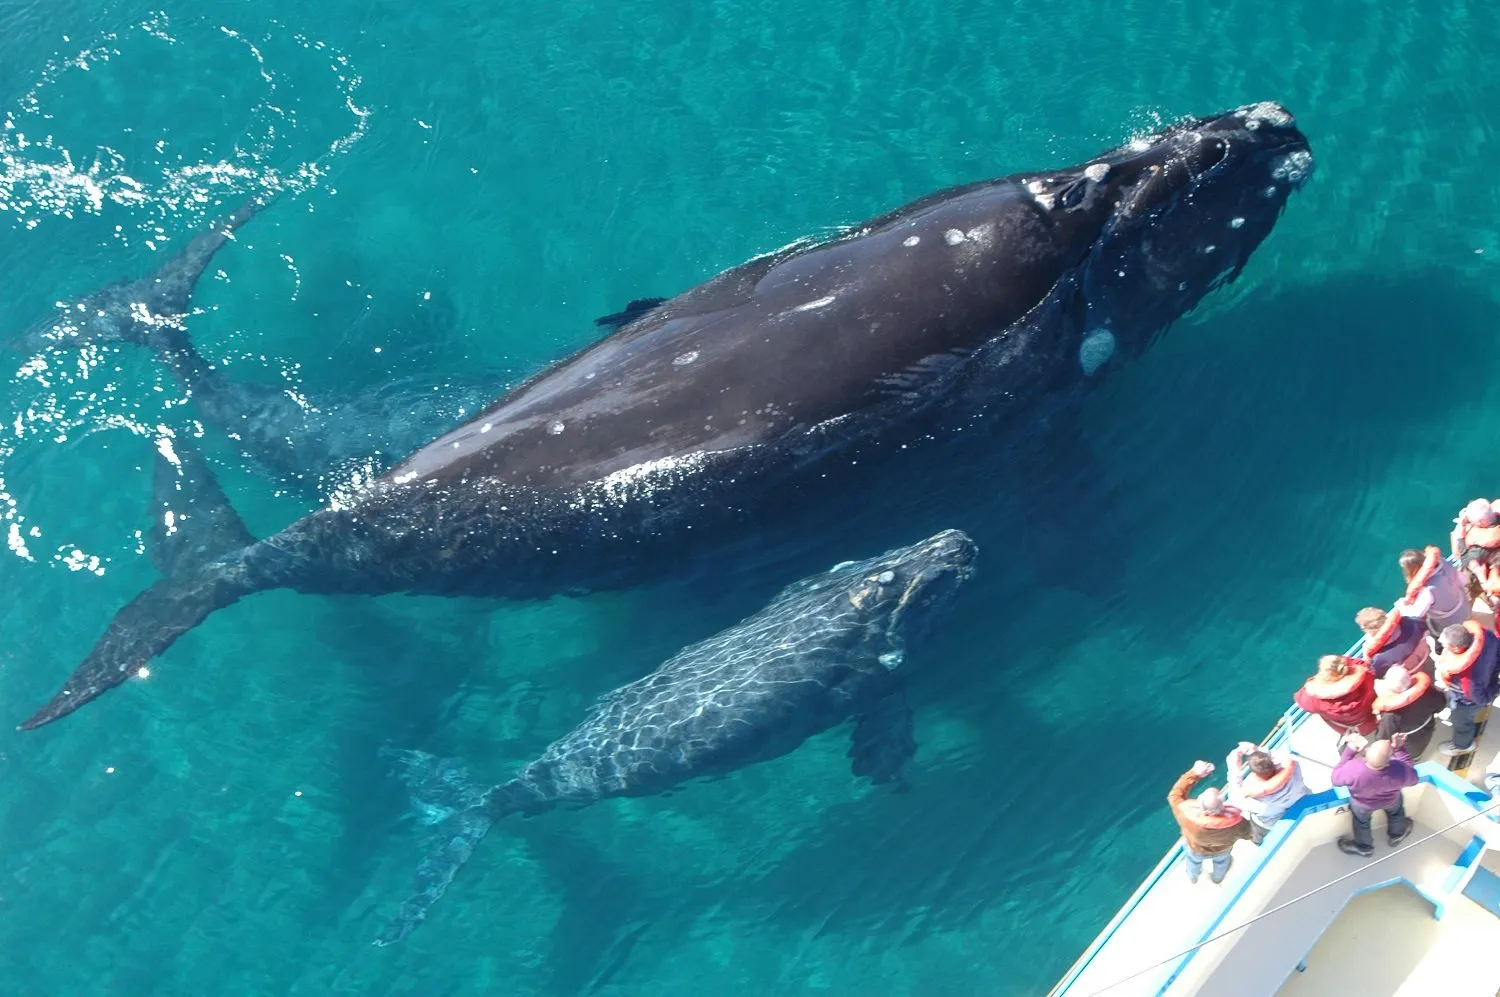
point(463, 812)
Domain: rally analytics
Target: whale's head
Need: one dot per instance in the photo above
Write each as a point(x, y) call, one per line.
point(890, 600)
point(1166, 218)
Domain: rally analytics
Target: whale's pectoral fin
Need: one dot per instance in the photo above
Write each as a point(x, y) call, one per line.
point(884, 740)
point(193, 522)
point(463, 813)
point(631, 312)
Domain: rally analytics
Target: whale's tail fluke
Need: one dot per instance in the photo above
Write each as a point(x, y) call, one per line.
point(196, 543)
point(144, 311)
point(463, 813)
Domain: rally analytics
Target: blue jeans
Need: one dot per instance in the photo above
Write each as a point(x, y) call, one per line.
point(1395, 821)
point(1195, 863)
point(1463, 716)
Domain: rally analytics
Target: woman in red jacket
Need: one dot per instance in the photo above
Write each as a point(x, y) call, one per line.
point(1342, 693)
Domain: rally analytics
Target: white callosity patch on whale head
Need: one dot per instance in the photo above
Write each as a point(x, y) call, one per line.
point(953, 237)
point(1096, 350)
point(1265, 113)
point(1096, 171)
point(1292, 167)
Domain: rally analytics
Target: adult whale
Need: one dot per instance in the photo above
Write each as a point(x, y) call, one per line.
point(708, 417)
point(829, 648)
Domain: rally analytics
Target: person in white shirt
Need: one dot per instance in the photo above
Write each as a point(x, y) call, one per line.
point(1273, 785)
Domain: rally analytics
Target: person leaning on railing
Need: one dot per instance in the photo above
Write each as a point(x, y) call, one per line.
point(1476, 545)
point(1273, 785)
point(1209, 826)
point(1342, 693)
point(1466, 673)
point(1435, 590)
point(1391, 639)
point(1407, 703)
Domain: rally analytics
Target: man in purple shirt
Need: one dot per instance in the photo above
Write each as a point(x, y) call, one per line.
point(1375, 780)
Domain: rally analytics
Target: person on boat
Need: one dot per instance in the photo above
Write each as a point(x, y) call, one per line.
point(1374, 780)
point(1466, 674)
point(1476, 545)
point(1273, 785)
point(1341, 693)
point(1209, 826)
point(1436, 592)
point(1391, 639)
point(1407, 702)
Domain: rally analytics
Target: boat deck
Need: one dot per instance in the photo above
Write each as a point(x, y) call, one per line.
point(1297, 916)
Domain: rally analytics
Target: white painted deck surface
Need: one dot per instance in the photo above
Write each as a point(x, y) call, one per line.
point(1357, 936)
point(1413, 955)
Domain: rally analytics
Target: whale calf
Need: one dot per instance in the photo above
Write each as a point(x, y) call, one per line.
point(826, 649)
point(710, 417)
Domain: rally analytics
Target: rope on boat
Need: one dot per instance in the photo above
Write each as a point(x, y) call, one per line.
point(1296, 900)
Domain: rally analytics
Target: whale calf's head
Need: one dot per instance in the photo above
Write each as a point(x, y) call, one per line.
point(1168, 217)
point(892, 599)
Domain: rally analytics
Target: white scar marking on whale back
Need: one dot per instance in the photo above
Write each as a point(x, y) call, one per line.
point(1264, 112)
point(981, 234)
point(911, 240)
point(953, 237)
point(1095, 350)
point(820, 303)
point(685, 359)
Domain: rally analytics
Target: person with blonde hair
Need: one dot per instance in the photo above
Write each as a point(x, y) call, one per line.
point(1342, 693)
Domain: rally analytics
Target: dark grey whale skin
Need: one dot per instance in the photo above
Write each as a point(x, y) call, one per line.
point(830, 648)
point(718, 414)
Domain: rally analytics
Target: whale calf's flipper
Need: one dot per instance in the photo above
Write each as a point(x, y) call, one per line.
point(631, 312)
point(884, 740)
point(463, 812)
point(193, 522)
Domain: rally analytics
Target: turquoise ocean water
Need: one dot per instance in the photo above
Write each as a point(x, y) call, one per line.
point(469, 186)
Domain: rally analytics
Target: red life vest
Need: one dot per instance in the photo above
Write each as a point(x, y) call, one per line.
point(1421, 682)
point(1451, 666)
point(1255, 787)
point(1430, 562)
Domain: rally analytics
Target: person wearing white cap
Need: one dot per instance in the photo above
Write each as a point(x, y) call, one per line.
point(1406, 703)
